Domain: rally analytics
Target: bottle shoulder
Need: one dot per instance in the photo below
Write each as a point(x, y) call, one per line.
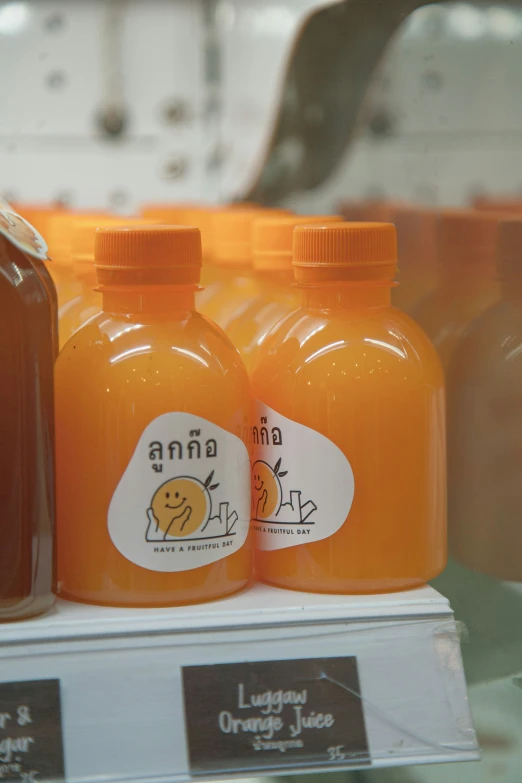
point(310, 341)
point(189, 346)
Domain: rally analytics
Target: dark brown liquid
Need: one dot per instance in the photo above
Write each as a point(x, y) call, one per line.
point(27, 324)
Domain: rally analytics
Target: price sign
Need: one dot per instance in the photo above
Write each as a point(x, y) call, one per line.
point(31, 748)
point(274, 714)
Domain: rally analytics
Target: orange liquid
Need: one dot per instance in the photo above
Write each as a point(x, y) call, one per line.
point(86, 303)
point(362, 373)
point(146, 354)
point(277, 298)
point(234, 290)
point(26, 427)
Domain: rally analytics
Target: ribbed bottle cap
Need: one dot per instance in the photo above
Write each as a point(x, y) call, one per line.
point(272, 239)
point(466, 235)
point(345, 251)
point(232, 233)
point(83, 234)
point(202, 217)
point(148, 255)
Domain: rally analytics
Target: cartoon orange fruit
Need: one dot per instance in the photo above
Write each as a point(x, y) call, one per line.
point(181, 506)
point(266, 490)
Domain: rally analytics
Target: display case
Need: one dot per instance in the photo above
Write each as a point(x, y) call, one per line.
point(358, 107)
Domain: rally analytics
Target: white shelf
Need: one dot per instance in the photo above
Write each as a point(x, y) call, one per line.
point(120, 674)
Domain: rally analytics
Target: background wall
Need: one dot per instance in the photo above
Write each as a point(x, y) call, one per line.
point(110, 102)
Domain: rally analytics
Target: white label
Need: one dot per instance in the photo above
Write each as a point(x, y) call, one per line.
point(21, 233)
point(302, 483)
point(184, 499)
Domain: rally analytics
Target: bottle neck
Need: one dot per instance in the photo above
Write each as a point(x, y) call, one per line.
point(161, 301)
point(346, 296)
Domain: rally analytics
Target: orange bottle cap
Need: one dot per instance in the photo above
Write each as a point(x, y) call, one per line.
point(509, 255)
point(59, 233)
point(83, 234)
point(272, 239)
point(202, 217)
point(465, 235)
point(148, 255)
point(199, 215)
point(232, 234)
point(345, 251)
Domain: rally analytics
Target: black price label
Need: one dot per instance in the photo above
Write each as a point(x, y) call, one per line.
point(31, 747)
point(273, 714)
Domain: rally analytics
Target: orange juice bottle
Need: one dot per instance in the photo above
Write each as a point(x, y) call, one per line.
point(59, 237)
point(153, 406)
point(38, 215)
point(348, 477)
point(277, 295)
point(417, 272)
point(485, 426)
point(237, 285)
point(200, 216)
point(88, 300)
point(466, 280)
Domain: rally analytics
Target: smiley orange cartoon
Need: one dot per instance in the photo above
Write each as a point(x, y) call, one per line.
point(181, 506)
point(267, 492)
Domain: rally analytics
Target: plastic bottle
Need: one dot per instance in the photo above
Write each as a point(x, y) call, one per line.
point(485, 427)
point(417, 269)
point(232, 254)
point(277, 295)
point(349, 474)
point(88, 300)
point(153, 403)
point(200, 216)
point(27, 321)
point(59, 238)
point(38, 215)
point(466, 285)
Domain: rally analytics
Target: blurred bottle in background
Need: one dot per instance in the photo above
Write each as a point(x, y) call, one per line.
point(502, 205)
point(232, 255)
point(415, 226)
point(465, 246)
point(485, 427)
point(59, 238)
point(272, 241)
point(417, 267)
